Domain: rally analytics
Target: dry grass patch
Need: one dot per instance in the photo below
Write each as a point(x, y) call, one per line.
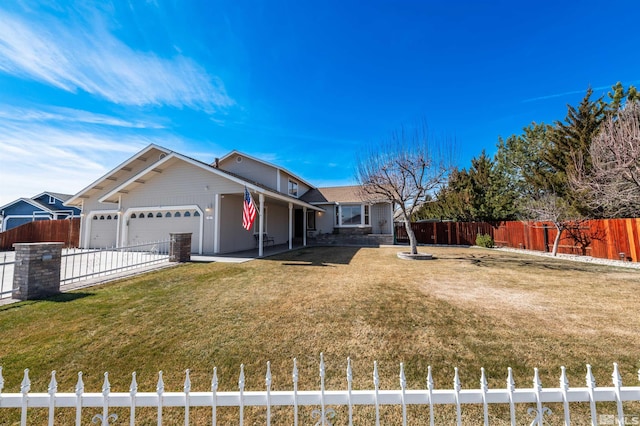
point(470, 308)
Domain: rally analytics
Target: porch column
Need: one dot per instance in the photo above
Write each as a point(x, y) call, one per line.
point(261, 226)
point(216, 224)
point(119, 221)
point(290, 226)
point(304, 226)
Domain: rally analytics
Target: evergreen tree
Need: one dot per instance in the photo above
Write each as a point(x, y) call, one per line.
point(569, 140)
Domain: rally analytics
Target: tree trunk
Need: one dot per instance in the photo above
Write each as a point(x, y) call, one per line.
point(413, 242)
point(556, 242)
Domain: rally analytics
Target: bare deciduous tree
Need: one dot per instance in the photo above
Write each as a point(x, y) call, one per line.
point(612, 183)
point(405, 169)
point(551, 208)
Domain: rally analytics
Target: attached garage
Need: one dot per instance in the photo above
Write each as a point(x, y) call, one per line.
point(145, 225)
point(104, 230)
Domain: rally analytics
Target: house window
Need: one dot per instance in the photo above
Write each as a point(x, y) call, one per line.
point(168, 214)
point(133, 216)
point(293, 188)
point(52, 200)
point(311, 220)
point(177, 214)
point(149, 215)
point(187, 214)
point(352, 215)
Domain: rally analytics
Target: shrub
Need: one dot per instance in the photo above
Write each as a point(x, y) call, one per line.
point(484, 240)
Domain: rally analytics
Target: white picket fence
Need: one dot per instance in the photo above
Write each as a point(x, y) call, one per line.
point(323, 399)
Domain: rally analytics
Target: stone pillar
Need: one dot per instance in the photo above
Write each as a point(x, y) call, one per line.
point(37, 270)
point(180, 247)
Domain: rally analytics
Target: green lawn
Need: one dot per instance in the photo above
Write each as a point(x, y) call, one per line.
point(469, 308)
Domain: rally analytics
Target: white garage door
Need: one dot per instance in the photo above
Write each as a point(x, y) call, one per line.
point(103, 230)
point(149, 226)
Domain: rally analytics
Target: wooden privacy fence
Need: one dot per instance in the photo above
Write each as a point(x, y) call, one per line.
point(66, 231)
point(323, 400)
point(617, 239)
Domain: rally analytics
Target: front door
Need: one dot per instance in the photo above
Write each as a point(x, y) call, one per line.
point(298, 224)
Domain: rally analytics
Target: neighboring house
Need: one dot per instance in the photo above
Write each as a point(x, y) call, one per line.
point(158, 191)
point(44, 206)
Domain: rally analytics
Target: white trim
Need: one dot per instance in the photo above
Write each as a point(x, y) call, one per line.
point(290, 226)
point(114, 170)
point(130, 210)
point(218, 172)
point(31, 202)
point(87, 235)
point(223, 158)
point(278, 178)
point(304, 226)
point(261, 225)
point(290, 184)
point(360, 225)
point(216, 224)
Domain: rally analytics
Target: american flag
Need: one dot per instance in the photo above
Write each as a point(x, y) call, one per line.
point(248, 210)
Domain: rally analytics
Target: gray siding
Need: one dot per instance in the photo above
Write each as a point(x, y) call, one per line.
point(381, 219)
point(325, 222)
point(184, 184)
point(251, 170)
point(91, 204)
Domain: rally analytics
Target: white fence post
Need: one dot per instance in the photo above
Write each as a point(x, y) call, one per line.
point(374, 397)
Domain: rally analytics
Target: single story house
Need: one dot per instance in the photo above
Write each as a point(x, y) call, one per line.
point(44, 206)
point(158, 191)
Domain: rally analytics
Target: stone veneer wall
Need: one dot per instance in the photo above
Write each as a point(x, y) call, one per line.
point(180, 247)
point(352, 237)
point(37, 270)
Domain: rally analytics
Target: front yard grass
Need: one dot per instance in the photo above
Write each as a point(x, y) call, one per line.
point(469, 308)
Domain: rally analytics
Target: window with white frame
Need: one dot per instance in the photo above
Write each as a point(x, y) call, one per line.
point(293, 188)
point(352, 215)
point(311, 220)
point(52, 200)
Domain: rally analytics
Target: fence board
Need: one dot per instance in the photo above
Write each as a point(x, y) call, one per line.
point(605, 238)
point(40, 231)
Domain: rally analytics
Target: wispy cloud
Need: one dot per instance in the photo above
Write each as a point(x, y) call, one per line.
point(44, 157)
point(572, 92)
point(82, 54)
point(71, 115)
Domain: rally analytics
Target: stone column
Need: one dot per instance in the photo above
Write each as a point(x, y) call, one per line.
point(180, 247)
point(37, 270)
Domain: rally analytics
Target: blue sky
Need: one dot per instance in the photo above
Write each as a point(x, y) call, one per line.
point(302, 84)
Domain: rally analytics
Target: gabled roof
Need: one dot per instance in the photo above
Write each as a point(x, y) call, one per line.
point(34, 203)
point(266, 163)
point(96, 186)
point(334, 194)
point(157, 167)
point(59, 196)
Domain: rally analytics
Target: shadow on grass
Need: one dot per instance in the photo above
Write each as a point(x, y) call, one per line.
point(545, 263)
point(317, 256)
point(58, 298)
point(67, 297)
